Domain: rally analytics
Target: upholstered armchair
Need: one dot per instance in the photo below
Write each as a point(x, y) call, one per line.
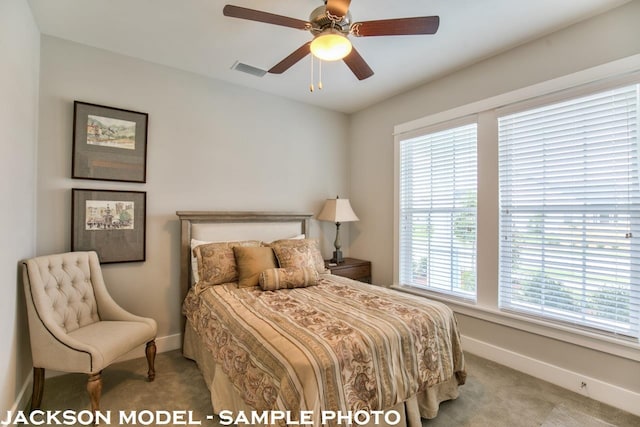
point(75, 325)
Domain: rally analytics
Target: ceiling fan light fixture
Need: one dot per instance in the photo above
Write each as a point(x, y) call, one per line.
point(330, 45)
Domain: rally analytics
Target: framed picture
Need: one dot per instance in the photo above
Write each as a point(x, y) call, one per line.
point(109, 143)
point(111, 222)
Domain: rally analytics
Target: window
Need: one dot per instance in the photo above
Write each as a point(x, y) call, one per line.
point(437, 214)
point(553, 216)
point(570, 211)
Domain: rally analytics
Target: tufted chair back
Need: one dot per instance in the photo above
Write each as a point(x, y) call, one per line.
point(62, 290)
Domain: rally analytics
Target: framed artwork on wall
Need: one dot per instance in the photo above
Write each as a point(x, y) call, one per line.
point(109, 143)
point(110, 222)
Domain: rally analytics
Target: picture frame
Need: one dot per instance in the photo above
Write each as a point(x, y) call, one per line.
point(109, 143)
point(111, 222)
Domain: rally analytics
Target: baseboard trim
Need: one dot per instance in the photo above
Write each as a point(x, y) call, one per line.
point(23, 397)
point(163, 344)
point(593, 388)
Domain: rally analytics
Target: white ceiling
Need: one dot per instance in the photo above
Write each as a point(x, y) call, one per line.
point(193, 35)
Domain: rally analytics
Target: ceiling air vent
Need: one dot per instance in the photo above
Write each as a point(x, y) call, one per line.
point(239, 66)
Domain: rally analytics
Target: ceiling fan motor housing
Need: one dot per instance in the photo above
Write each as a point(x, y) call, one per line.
point(320, 21)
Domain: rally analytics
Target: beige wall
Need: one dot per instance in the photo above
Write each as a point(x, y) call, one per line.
point(605, 38)
point(211, 146)
point(19, 68)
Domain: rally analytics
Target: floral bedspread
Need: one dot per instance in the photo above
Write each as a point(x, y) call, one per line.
point(339, 346)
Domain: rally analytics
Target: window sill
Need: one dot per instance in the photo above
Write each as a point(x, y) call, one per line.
point(606, 344)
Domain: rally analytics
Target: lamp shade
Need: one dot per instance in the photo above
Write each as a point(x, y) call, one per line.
point(337, 210)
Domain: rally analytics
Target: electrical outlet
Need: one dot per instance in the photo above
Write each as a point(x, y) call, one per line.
point(583, 386)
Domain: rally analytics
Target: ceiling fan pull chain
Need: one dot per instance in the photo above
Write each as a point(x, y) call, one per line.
point(320, 74)
point(311, 84)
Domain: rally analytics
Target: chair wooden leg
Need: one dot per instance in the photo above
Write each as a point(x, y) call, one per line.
point(38, 388)
point(94, 388)
point(151, 357)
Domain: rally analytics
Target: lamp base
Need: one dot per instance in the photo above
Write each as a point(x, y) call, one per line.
point(337, 257)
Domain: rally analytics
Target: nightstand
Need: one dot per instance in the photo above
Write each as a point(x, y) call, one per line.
point(352, 268)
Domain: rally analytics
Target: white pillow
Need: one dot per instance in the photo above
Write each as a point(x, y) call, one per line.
point(194, 260)
point(296, 237)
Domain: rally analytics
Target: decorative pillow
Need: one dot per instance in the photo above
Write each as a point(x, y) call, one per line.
point(251, 261)
point(217, 263)
point(298, 253)
point(288, 278)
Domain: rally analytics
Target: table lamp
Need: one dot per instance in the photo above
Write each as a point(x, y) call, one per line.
point(337, 210)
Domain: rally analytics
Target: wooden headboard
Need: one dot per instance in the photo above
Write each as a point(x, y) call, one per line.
point(229, 226)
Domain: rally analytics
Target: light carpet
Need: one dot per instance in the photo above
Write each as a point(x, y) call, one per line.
point(494, 396)
point(562, 416)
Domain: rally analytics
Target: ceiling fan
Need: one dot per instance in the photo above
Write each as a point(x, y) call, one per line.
point(330, 25)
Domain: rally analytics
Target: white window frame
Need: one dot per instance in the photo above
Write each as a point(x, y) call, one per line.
point(486, 306)
point(471, 120)
point(557, 208)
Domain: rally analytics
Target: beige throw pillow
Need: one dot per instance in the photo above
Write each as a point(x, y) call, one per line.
point(298, 253)
point(251, 261)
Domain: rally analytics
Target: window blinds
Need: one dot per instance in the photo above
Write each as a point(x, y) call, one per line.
point(570, 211)
point(437, 239)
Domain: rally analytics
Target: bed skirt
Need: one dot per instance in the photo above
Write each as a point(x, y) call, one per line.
point(225, 396)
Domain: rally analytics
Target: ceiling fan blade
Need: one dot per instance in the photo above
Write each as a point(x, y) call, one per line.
point(338, 7)
point(396, 27)
point(290, 60)
point(358, 65)
point(268, 18)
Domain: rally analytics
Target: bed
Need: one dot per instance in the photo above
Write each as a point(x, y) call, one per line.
point(296, 345)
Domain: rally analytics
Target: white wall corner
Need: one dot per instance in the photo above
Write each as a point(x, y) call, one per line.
point(23, 398)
